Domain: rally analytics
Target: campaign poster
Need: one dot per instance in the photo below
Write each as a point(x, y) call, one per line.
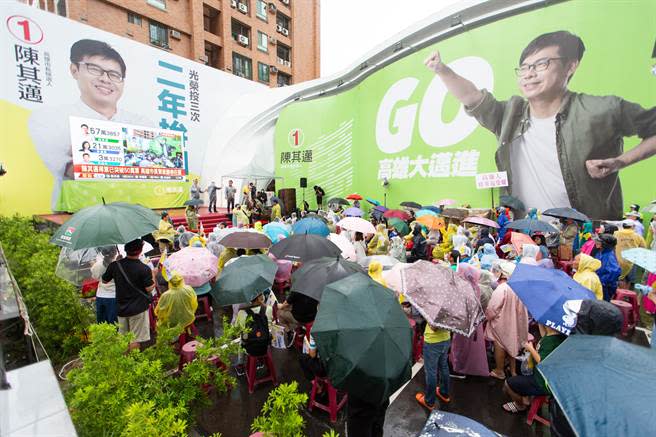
point(105, 150)
point(56, 69)
point(401, 125)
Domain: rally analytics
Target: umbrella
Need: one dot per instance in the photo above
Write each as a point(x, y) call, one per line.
point(314, 275)
point(531, 225)
point(380, 208)
point(374, 202)
point(512, 202)
point(304, 247)
point(246, 240)
point(385, 260)
point(566, 213)
point(196, 265)
point(544, 293)
point(354, 196)
point(314, 215)
point(356, 224)
point(482, 221)
point(74, 266)
point(650, 208)
point(443, 424)
point(353, 212)
point(517, 239)
point(104, 225)
point(431, 222)
point(348, 251)
point(435, 209)
point(396, 213)
point(598, 317)
point(393, 276)
point(311, 225)
point(193, 202)
point(644, 258)
point(619, 374)
point(242, 280)
point(364, 338)
point(445, 202)
point(400, 226)
point(444, 299)
point(423, 212)
point(409, 204)
point(276, 231)
point(338, 201)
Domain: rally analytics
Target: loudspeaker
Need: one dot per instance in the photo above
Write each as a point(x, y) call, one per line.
point(303, 182)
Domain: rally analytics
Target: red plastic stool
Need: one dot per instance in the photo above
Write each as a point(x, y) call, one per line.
point(334, 403)
point(630, 297)
point(536, 404)
point(251, 370)
point(207, 309)
point(188, 353)
point(301, 332)
point(629, 321)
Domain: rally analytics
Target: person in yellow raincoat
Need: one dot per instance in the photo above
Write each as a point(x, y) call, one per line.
point(276, 212)
point(376, 273)
point(586, 266)
point(446, 246)
point(627, 238)
point(192, 218)
point(177, 306)
point(243, 215)
point(165, 233)
point(257, 226)
point(228, 254)
point(379, 244)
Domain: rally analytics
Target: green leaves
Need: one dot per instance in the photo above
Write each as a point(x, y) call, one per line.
point(280, 416)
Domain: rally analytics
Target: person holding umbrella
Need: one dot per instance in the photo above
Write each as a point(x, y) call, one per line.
point(436, 363)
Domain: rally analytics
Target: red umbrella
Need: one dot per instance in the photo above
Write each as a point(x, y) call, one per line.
point(396, 213)
point(482, 221)
point(354, 196)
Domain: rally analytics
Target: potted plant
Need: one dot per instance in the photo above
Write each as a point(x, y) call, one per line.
point(280, 415)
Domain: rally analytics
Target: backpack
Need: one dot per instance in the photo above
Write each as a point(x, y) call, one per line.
point(257, 341)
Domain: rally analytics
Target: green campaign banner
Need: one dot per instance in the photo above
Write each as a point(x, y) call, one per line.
point(403, 126)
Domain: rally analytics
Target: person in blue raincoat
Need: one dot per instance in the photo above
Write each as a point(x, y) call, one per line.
point(610, 270)
point(503, 220)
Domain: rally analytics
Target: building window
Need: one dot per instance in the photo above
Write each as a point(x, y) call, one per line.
point(261, 10)
point(283, 24)
point(241, 33)
point(134, 19)
point(60, 7)
point(242, 66)
point(284, 53)
point(262, 41)
point(159, 4)
point(284, 79)
point(159, 34)
point(212, 55)
point(211, 20)
point(263, 72)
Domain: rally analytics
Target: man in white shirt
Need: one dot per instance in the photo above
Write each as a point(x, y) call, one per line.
point(100, 73)
point(106, 309)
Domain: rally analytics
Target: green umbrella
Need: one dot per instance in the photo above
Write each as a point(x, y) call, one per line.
point(104, 225)
point(400, 226)
point(363, 337)
point(243, 279)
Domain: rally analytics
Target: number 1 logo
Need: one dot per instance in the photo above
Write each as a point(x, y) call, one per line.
point(295, 138)
point(24, 29)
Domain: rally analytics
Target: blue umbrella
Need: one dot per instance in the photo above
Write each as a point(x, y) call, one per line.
point(605, 386)
point(644, 258)
point(275, 231)
point(424, 211)
point(531, 225)
point(373, 201)
point(544, 292)
point(435, 209)
point(353, 212)
point(311, 226)
point(443, 424)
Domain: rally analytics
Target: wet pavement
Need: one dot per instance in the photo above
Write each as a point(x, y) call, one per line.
point(475, 397)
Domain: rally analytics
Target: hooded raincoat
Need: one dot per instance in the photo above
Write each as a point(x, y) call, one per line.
point(447, 242)
point(488, 257)
point(177, 306)
point(586, 276)
point(507, 319)
point(379, 244)
point(376, 273)
point(627, 239)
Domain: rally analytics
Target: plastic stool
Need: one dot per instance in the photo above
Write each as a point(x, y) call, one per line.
point(188, 353)
point(334, 403)
point(536, 404)
point(207, 309)
point(299, 333)
point(251, 370)
point(628, 322)
point(630, 297)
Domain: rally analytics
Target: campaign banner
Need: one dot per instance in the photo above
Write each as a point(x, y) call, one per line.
point(55, 69)
point(402, 125)
point(491, 180)
point(106, 150)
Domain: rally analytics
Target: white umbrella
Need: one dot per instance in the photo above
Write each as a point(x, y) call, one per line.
point(357, 224)
point(348, 251)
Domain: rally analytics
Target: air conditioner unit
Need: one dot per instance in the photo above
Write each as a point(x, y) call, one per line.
point(285, 31)
point(233, 3)
point(175, 34)
point(273, 69)
point(285, 2)
point(279, 28)
point(272, 8)
point(272, 40)
point(204, 58)
point(281, 61)
point(243, 40)
point(243, 8)
point(287, 63)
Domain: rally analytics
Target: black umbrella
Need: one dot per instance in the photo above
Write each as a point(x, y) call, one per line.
point(311, 279)
point(414, 205)
point(512, 202)
point(531, 225)
point(338, 201)
point(193, 202)
point(304, 247)
point(567, 213)
point(246, 240)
